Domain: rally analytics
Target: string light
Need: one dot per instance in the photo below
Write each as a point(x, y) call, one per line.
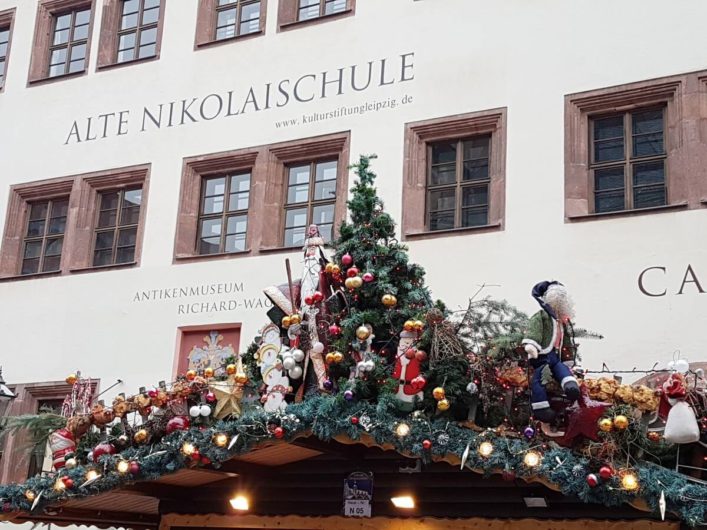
point(123, 466)
point(188, 449)
point(59, 485)
point(629, 481)
point(92, 474)
point(485, 449)
point(532, 458)
point(220, 439)
point(402, 430)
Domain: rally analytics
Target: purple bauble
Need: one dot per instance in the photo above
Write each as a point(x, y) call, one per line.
point(349, 395)
point(528, 432)
point(328, 385)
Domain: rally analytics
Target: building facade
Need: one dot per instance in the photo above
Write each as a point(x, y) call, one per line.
point(160, 160)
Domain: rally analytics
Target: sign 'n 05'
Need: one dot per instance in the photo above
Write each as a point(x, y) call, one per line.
point(654, 281)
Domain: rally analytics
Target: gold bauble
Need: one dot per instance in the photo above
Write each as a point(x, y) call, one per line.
point(419, 325)
point(438, 393)
point(208, 372)
point(329, 267)
point(605, 424)
point(620, 422)
point(335, 269)
point(329, 358)
point(409, 325)
point(362, 332)
point(231, 369)
point(140, 436)
point(389, 300)
point(71, 379)
point(191, 375)
point(338, 357)
point(241, 378)
point(295, 319)
point(286, 322)
point(353, 283)
point(443, 404)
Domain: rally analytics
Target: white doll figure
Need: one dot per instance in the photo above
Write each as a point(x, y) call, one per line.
point(278, 386)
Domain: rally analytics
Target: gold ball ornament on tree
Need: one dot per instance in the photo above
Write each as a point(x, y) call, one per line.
point(241, 378)
point(71, 379)
point(329, 358)
point(208, 372)
point(363, 332)
point(438, 393)
point(231, 369)
point(620, 422)
point(353, 283)
point(338, 357)
point(286, 321)
point(443, 404)
point(389, 300)
point(409, 325)
point(141, 436)
point(295, 319)
point(605, 424)
point(418, 325)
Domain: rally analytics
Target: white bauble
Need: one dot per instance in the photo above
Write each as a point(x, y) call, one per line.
point(369, 365)
point(205, 410)
point(289, 363)
point(317, 347)
point(682, 366)
point(295, 372)
point(195, 411)
point(298, 355)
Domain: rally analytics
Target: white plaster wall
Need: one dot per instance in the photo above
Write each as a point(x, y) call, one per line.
point(469, 55)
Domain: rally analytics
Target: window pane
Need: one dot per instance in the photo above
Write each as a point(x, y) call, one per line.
point(475, 216)
point(225, 32)
point(235, 243)
point(109, 201)
point(38, 210)
point(83, 17)
point(609, 179)
point(63, 22)
point(57, 225)
point(150, 16)
point(33, 249)
point(58, 57)
point(35, 228)
point(61, 37)
point(126, 41)
point(125, 255)
point(215, 186)
point(296, 194)
point(104, 240)
point(240, 183)
point(131, 6)
point(476, 169)
point(442, 200)
point(250, 18)
point(30, 266)
point(226, 17)
point(648, 121)
point(648, 173)
point(226, 2)
point(60, 208)
point(127, 237)
point(326, 232)
point(444, 174)
point(209, 245)
point(326, 170)
point(132, 198)
point(3, 49)
point(238, 201)
point(612, 201)
point(80, 32)
point(57, 69)
point(149, 50)
point(76, 66)
point(649, 196)
point(51, 263)
point(308, 12)
point(129, 21)
point(325, 190)
point(477, 148)
point(149, 4)
point(648, 145)
point(299, 175)
point(441, 220)
point(237, 224)
point(294, 237)
point(107, 218)
point(53, 247)
point(607, 150)
point(126, 55)
point(102, 257)
point(149, 36)
point(444, 152)
point(213, 205)
point(130, 216)
point(295, 218)
point(476, 196)
point(78, 52)
point(210, 227)
point(323, 214)
point(612, 127)
point(334, 6)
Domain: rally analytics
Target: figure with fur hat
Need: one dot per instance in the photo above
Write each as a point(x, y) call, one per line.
point(548, 330)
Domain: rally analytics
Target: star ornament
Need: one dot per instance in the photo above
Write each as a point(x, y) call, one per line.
point(228, 397)
point(582, 419)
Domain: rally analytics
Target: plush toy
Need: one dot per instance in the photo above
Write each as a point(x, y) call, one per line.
point(548, 331)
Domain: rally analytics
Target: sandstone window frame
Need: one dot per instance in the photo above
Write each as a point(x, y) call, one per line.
point(267, 165)
point(288, 10)
point(419, 136)
point(47, 11)
point(108, 42)
point(7, 20)
point(82, 190)
point(683, 98)
point(206, 23)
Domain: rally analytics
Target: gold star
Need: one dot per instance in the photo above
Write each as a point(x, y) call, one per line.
point(228, 397)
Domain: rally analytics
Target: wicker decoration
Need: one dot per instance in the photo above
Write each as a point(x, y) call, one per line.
point(445, 343)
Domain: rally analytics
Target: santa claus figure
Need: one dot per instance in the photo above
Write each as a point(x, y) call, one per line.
point(406, 369)
point(548, 331)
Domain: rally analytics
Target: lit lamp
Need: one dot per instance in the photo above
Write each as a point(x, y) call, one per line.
point(240, 503)
point(5, 393)
point(406, 502)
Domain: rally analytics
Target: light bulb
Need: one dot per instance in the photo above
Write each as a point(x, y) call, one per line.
point(123, 466)
point(532, 458)
point(402, 430)
point(485, 449)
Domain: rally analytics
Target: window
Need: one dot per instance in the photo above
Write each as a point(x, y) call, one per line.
point(117, 226)
point(631, 149)
point(223, 220)
point(299, 12)
point(67, 53)
point(62, 39)
point(458, 183)
point(454, 174)
point(237, 17)
point(6, 19)
point(311, 197)
point(131, 30)
point(44, 237)
point(261, 199)
point(309, 9)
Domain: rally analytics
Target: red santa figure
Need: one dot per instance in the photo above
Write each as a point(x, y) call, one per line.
point(407, 369)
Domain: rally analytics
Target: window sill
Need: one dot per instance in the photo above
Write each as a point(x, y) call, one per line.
point(56, 78)
point(628, 213)
point(704, 201)
point(20, 277)
point(216, 42)
point(276, 250)
point(189, 258)
point(104, 267)
point(110, 66)
point(431, 234)
point(323, 18)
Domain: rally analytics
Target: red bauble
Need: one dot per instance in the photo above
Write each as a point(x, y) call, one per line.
point(210, 397)
point(508, 475)
point(103, 449)
point(354, 420)
point(196, 455)
point(592, 480)
point(368, 277)
point(410, 353)
point(152, 393)
point(69, 483)
point(427, 445)
point(606, 472)
point(353, 271)
point(334, 330)
point(134, 468)
point(308, 300)
point(421, 356)
point(178, 423)
point(418, 383)
point(279, 432)
point(317, 297)
point(6, 507)
point(205, 460)
point(346, 259)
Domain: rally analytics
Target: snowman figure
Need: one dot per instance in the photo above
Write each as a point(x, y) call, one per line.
point(277, 388)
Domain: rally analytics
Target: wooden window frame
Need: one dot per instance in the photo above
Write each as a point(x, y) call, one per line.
point(267, 166)
point(311, 202)
point(288, 14)
point(69, 45)
point(206, 23)
point(226, 213)
point(110, 35)
point(47, 10)
point(115, 229)
point(138, 30)
point(45, 235)
point(684, 98)
point(7, 20)
point(418, 138)
point(82, 190)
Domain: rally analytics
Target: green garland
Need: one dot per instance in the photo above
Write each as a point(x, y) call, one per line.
point(326, 417)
